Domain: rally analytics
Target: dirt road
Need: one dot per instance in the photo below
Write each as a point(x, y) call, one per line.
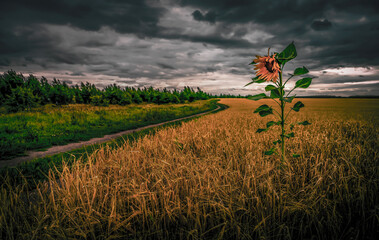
point(71, 146)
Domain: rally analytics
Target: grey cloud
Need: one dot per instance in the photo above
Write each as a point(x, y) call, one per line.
point(128, 40)
point(5, 62)
point(341, 45)
point(235, 71)
point(76, 74)
point(69, 82)
point(211, 69)
point(22, 31)
point(320, 25)
point(126, 81)
point(140, 17)
point(214, 39)
point(291, 10)
point(165, 66)
point(331, 79)
point(240, 32)
point(373, 87)
point(208, 17)
point(242, 11)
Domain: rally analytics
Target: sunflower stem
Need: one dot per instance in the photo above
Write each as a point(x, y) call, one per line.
point(282, 106)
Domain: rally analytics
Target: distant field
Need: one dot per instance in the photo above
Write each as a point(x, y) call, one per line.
point(56, 125)
point(209, 179)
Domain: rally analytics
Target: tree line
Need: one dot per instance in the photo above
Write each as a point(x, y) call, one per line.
point(18, 93)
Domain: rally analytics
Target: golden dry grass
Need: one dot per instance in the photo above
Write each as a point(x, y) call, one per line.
point(209, 179)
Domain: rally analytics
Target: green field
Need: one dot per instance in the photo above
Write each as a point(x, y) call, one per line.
point(50, 125)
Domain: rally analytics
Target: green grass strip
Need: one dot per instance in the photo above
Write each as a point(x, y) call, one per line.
point(37, 169)
point(47, 126)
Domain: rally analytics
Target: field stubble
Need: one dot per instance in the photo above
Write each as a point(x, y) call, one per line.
point(209, 179)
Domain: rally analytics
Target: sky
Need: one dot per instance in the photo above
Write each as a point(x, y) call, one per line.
point(197, 43)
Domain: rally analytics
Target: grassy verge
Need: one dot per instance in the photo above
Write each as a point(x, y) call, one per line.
point(37, 170)
point(51, 125)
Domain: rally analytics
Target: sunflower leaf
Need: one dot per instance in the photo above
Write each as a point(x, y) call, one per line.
point(289, 135)
point(270, 87)
point(260, 80)
point(271, 123)
point(270, 152)
point(265, 113)
point(255, 80)
point(289, 99)
point(249, 83)
point(275, 93)
point(300, 71)
point(297, 106)
point(257, 97)
point(262, 107)
point(263, 110)
point(304, 123)
point(287, 54)
point(303, 83)
point(261, 130)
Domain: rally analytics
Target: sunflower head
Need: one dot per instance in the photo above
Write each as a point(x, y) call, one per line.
point(267, 68)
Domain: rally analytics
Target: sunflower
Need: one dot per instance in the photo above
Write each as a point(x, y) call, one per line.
point(267, 67)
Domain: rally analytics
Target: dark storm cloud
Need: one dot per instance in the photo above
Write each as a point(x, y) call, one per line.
point(210, 69)
point(331, 79)
point(268, 12)
point(76, 74)
point(134, 16)
point(359, 86)
point(208, 17)
point(165, 66)
point(21, 30)
point(5, 62)
point(213, 39)
point(157, 42)
point(320, 25)
point(242, 11)
point(347, 45)
point(350, 42)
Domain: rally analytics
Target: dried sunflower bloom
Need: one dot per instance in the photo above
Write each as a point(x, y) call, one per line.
point(267, 68)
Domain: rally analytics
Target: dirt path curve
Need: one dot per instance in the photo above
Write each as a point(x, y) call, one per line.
point(71, 146)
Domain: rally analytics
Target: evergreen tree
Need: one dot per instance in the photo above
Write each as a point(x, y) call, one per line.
point(20, 93)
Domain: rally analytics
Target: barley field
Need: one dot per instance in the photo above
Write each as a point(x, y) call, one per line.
point(209, 179)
